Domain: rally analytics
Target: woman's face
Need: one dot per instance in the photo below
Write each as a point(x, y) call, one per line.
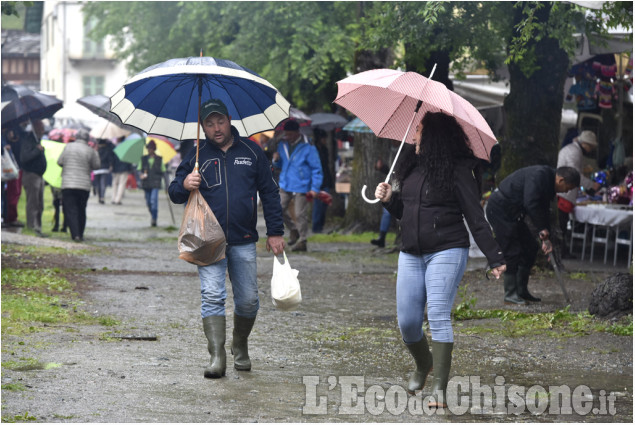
point(417, 138)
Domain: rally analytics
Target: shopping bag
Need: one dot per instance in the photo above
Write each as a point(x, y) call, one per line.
point(285, 286)
point(201, 238)
point(10, 170)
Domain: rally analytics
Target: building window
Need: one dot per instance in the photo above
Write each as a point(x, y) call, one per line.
point(93, 84)
point(92, 48)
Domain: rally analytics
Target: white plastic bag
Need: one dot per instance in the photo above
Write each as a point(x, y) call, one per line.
point(285, 286)
point(10, 169)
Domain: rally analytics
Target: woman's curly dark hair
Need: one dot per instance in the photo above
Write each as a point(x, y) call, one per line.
point(442, 142)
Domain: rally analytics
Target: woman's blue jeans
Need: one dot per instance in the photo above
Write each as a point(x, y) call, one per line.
point(152, 201)
point(240, 262)
point(433, 279)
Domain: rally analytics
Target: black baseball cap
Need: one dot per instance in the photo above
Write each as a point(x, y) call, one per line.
point(213, 106)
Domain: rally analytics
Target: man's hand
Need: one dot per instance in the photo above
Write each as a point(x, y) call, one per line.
point(497, 272)
point(275, 157)
point(547, 247)
point(312, 194)
point(192, 181)
point(383, 192)
point(275, 243)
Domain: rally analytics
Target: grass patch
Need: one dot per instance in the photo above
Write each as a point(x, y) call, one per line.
point(13, 387)
point(19, 418)
point(31, 298)
point(562, 322)
point(336, 237)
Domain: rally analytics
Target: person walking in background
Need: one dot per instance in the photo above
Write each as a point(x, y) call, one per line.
point(301, 174)
point(13, 188)
point(572, 155)
point(58, 204)
point(33, 163)
point(328, 182)
point(232, 171)
point(152, 170)
point(77, 161)
point(104, 149)
point(525, 192)
point(438, 187)
point(120, 171)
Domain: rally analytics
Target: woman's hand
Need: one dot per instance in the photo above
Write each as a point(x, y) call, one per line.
point(383, 192)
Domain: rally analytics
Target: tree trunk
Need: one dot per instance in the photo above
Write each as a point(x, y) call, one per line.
point(533, 107)
point(367, 149)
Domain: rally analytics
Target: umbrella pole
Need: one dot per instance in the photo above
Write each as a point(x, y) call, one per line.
point(394, 162)
point(392, 167)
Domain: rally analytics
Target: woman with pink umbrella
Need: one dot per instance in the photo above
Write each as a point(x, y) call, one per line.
point(438, 188)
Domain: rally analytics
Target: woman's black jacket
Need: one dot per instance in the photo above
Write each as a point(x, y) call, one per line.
point(432, 220)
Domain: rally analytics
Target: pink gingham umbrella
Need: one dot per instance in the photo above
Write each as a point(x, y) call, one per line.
point(390, 101)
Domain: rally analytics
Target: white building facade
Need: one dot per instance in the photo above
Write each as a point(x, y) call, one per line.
point(72, 65)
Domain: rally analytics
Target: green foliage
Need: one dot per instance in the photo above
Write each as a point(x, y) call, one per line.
point(562, 322)
point(48, 279)
point(13, 387)
point(19, 418)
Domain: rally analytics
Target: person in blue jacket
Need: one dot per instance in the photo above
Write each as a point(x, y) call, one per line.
point(301, 175)
point(232, 171)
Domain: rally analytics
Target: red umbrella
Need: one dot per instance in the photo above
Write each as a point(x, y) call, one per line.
point(390, 101)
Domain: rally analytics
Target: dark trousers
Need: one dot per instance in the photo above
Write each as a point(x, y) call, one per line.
point(74, 206)
point(519, 245)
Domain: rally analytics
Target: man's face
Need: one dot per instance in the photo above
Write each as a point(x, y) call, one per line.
point(217, 127)
point(562, 186)
point(291, 135)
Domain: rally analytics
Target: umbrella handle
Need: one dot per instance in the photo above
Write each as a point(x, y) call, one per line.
point(370, 201)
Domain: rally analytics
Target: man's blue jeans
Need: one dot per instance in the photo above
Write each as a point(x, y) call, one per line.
point(152, 201)
point(240, 262)
point(433, 279)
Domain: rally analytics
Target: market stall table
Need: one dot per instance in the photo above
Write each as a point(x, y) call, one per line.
point(604, 219)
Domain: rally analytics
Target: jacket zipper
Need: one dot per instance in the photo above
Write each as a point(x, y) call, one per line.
point(226, 194)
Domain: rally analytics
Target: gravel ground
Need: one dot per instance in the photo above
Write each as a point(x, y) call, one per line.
point(338, 358)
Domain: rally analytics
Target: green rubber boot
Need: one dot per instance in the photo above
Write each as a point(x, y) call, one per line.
point(442, 359)
point(523, 281)
point(423, 360)
point(242, 329)
point(214, 328)
point(510, 283)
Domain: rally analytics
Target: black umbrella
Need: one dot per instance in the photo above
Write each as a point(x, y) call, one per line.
point(99, 105)
point(327, 121)
point(26, 104)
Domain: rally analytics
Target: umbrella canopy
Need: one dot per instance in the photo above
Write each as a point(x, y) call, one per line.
point(165, 149)
point(99, 104)
point(52, 151)
point(357, 126)
point(400, 94)
point(108, 130)
point(165, 98)
point(25, 104)
point(131, 149)
point(326, 121)
point(62, 134)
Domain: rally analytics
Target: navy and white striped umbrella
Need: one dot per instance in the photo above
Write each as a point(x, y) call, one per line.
point(164, 98)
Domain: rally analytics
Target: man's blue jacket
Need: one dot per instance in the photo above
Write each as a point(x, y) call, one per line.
point(302, 170)
point(229, 183)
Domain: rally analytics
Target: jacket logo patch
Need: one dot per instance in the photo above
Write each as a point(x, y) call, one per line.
point(242, 161)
